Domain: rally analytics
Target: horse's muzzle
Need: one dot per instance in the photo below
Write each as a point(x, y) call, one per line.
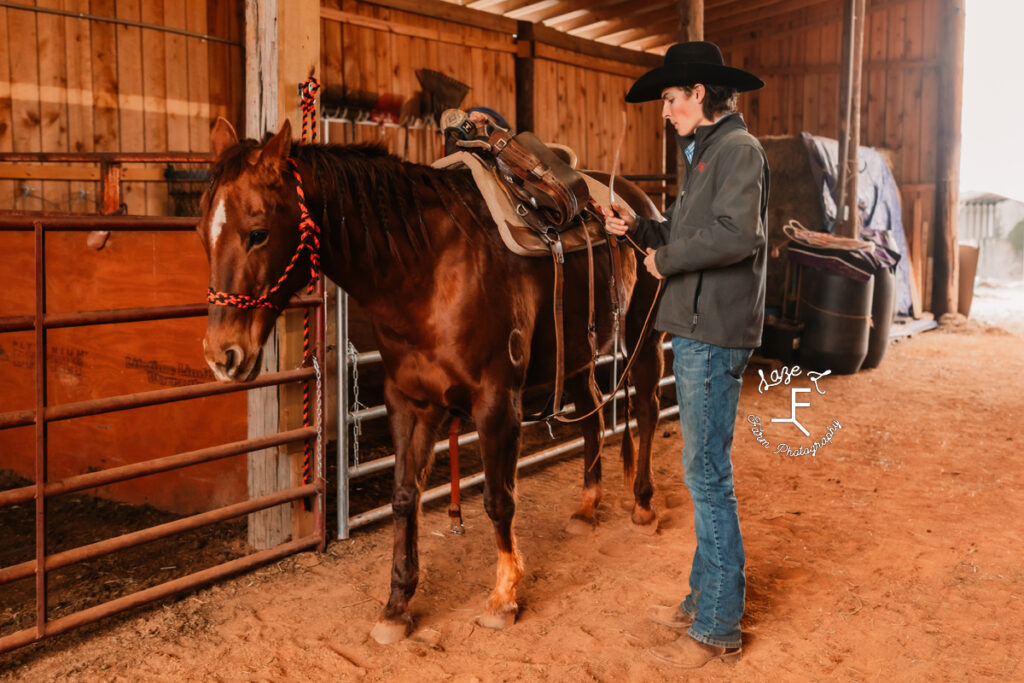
point(232, 364)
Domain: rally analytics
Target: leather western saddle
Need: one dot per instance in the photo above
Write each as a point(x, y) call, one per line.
point(542, 206)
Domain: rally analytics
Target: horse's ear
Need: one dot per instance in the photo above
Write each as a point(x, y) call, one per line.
point(222, 136)
point(277, 147)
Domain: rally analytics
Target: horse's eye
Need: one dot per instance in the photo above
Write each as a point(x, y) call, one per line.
point(257, 237)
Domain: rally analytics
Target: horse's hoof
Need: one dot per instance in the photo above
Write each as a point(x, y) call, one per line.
point(579, 526)
point(646, 529)
point(389, 631)
point(497, 620)
point(645, 520)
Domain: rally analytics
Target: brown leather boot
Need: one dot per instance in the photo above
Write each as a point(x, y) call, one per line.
point(672, 616)
point(687, 653)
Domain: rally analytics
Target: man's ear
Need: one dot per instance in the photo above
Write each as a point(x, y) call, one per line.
point(222, 136)
point(278, 147)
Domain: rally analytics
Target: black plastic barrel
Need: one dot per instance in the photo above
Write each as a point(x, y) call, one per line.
point(836, 311)
point(883, 304)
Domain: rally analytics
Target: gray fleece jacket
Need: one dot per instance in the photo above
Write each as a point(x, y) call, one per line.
point(712, 247)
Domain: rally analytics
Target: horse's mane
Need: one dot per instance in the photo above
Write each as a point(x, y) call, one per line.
point(386, 192)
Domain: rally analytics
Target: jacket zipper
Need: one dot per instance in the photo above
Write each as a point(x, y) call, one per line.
point(696, 300)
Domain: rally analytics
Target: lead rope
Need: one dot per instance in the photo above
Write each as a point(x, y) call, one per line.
point(307, 95)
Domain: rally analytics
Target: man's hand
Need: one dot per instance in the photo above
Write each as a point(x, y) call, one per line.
point(651, 267)
point(620, 222)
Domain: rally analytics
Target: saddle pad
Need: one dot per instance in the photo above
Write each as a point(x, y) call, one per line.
point(518, 236)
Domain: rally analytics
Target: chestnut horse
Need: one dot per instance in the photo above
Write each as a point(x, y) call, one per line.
point(463, 324)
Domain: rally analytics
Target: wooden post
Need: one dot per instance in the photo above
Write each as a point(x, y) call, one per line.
point(946, 266)
point(848, 213)
point(282, 49)
point(298, 58)
point(525, 65)
point(691, 27)
point(268, 470)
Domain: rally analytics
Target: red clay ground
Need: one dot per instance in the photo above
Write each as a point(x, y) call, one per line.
point(891, 555)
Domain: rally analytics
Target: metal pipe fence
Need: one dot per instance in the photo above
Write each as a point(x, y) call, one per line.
point(42, 415)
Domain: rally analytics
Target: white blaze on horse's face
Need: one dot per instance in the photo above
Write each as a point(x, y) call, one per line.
point(217, 223)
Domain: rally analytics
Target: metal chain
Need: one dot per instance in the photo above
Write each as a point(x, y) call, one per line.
point(357, 426)
point(319, 423)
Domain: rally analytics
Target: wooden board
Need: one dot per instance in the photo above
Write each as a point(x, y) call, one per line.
point(154, 98)
point(129, 98)
point(78, 53)
point(53, 104)
point(25, 109)
point(97, 361)
point(6, 124)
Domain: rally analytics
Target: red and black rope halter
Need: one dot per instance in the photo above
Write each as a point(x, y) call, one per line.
point(309, 243)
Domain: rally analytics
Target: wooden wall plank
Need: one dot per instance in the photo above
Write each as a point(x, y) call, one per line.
point(104, 79)
point(154, 99)
point(53, 104)
point(78, 54)
point(25, 109)
point(812, 81)
point(176, 77)
point(129, 98)
point(198, 78)
point(6, 125)
point(911, 153)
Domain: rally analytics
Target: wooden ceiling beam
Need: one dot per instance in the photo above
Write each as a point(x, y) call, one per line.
point(613, 19)
point(653, 40)
point(739, 21)
point(622, 37)
point(572, 6)
point(720, 14)
point(450, 11)
point(505, 6)
point(651, 20)
point(550, 36)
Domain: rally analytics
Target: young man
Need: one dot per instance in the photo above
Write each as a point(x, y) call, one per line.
point(712, 249)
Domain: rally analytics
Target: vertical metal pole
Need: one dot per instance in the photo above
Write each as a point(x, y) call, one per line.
point(40, 248)
point(342, 408)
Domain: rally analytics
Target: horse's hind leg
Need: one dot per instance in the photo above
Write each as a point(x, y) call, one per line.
point(583, 390)
point(414, 430)
point(498, 423)
point(645, 375)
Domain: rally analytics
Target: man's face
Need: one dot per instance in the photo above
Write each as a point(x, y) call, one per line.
point(683, 110)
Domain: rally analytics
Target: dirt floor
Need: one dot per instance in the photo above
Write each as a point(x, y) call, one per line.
point(892, 554)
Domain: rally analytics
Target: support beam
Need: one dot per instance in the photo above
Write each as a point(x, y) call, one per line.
point(946, 269)
point(847, 213)
point(282, 48)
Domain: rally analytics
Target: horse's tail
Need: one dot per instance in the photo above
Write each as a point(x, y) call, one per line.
point(628, 448)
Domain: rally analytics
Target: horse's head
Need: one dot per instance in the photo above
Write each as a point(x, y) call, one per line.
point(250, 230)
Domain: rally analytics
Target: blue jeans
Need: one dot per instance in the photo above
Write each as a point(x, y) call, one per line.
point(708, 380)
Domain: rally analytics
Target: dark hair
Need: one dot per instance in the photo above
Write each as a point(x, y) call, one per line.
point(718, 99)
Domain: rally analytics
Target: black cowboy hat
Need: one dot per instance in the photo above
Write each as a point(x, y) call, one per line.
point(689, 63)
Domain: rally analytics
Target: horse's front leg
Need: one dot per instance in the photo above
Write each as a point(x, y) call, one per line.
point(498, 419)
point(583, 390)
point(414, 431)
